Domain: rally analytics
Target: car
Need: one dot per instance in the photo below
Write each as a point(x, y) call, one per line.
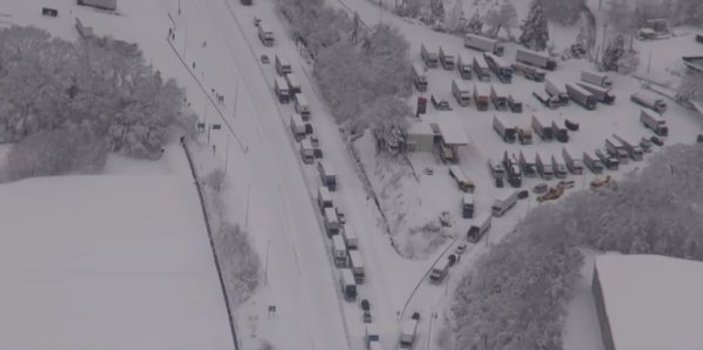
point(657, 141)
point(540, 188)
point(265, 59)
point(523, 194)
point(572, 126)
point(429, 171)
point(460, 249)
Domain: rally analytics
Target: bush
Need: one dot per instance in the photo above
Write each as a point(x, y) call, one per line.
point(239, 262)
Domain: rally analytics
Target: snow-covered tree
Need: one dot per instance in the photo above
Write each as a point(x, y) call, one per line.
point(535, 30)
point(613, 53)
point(388, 119)
point(505, 17)
point(454, 17)
point(241, 265)
point(436, 11)
point(475, 25)
point(620, 16)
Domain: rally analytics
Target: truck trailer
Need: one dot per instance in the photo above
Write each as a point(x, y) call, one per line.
point(357, 266)
point(529, 72)
point(544, 169)
point(596, 78)
point(448, 61)
point(608, 161)
point(650, 101)
point(593, 163)
point(419, 77)
point(575, 165)
point(482, 96)
point(483, 72)
point(528, 167)
point(560, 134)
point(484, 44)
point(558, 168)
point(602, 94)
point(547, 100)
point(557, 90)
point(407, 332)
point(461, 92)
point(534, 58)
point(430, 58)
point(501, 206)
point(654, 122)
point(633, 150)
point(545, 132)
point(507, 134)
point(617, 150)
point(346, 281)
point(339, 251)
point(499, 67)
point(465, 66)
point(280, 87)
point(499, 97)
point(481, 225)
point(582, 96)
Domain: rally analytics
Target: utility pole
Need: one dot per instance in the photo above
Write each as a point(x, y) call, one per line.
point(236, 94)
point(227, 155)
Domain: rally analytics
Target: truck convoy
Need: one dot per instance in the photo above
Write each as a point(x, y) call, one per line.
point(574, 165)
point(265, 35)
point(654, 122)
point(448, 61)
point(650, 101)
point(501, 206)
point(482, 96)
point(557, 90)
point(534, 58)
point(507, 134)
point(482, 43)
point(499, 67)
point(483, 73)
point(431, 59)
point(419, 77)
point(593, 163)
point(581, 96)
point(544, 132)
point(499, 98)
point(604, 95)
point(595, 78)
point(634, 151)
point(465, 66)
point(481, 225)
point(461, 92)
point(407, 332)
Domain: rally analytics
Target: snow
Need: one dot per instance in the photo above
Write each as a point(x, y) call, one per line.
point(652, 302)
point(108, 262)
point(581, 328)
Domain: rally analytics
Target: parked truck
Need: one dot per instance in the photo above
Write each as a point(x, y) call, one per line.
point(596, 78)
point(430, 58)
point(372, 338)
point(265, 35)
point(501, 206)
point(575, 165)
point(331, 221)
point(339, 251)
point(545, 170)
point(593, 163)
point(346, 281)
point(529, 72)
point(327, 175)
point(560, 134)
point(407, 332)
point(467, 206)
point(547, 100)
point(465, 66)
point(440, 270)
point(483, 73)
point(512, 171)
point(297, 127)
point(484, 44)
point(499, 67)
point(537, 59)
point(280, 87)
point(499, 97)
point(602, 94)
point(419, 77)
point(654, 122)
point(307, 152)
point(461, 92)
point(609, 161)
point(324, 198)
point(350, 237)
point(581, 96)
point(633, 150)
point(507, 134)
point(527, 166)
point(293, 83)
point(650, 101)
point(544, 132)
point(557, 90)
point(514, 104)
point(617, 150)
point(524, 136)
point(558, 168)
point(301, 105)
point(481, 225)
point(447, 60)
point(356, 263)
point(482, 93)
point(283, 66)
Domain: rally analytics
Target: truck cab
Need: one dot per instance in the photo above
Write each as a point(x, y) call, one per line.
point(497, 170)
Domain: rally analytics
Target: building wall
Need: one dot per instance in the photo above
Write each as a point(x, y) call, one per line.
point(424, 143)
point(605, 330)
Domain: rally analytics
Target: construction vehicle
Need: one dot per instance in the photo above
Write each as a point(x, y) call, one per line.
point(634, 151)
point(482, 95)
point(483, 72)
point(575, 165)
point(544, 132)
point(530, 72)
point(419, 77)
point(548, 101)
point(481, 225)
point(544, 169)
point(499, 67)
point(534, 58)
point(461, 92)
point(507, 134)
point(560, 134)
point(448, 61)
point(431, 59)
point(499, 98)
point(501, 206)
point(558, 168)
point(528, 168)
point(524, 136)
point(617, 150)
point(650, 101)
point(514, 104)
point(654, 122)
point(609, 161)
point(465, 66)
point(556, 90)
point(596, 78)
point(581, 96)
point(594, 164)
point(602, 94)
point(484, 44)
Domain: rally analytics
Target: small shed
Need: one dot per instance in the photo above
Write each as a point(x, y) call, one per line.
point(420, 137)
point(110, 5)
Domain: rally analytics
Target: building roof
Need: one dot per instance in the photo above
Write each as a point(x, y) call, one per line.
point(420, 128)
point(652, 302)
point(449, 127)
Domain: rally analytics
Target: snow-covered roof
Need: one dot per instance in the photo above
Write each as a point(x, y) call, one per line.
point(420, 128)
point(450, 128)
point(652, 302)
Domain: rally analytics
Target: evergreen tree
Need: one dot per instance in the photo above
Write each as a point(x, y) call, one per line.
point(475, 25)
point(437, 11)
point(535, 31)
point(611, 56)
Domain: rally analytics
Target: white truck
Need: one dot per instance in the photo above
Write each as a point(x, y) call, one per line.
point(615, 149)
point(283, 66)
point(339, 251)
point(574, 165)
point(440, 270)
point(596, 78)
point(483, 72)
point(582, 96)
point(300, 104)
point(650, 101)
point(559, 168)
point(602, 94)
point(265, 35)
point(461, 92)
point(357, 266)
point(529, 72)
point(407, 332)
point(293, 83)
point(482, 43)
point(327, 175)
point(297, 127)
point(654, 122)
point(482, 96)
point(331, 221)
point(481, 225)
point(594, 164)
point(465, 66)
point(633, 150)
point(500, 68)
point(350, 237)
point(545, 170)
point(467, 206)
point(448, 61)
point(545, 132)
point(372, 339)
point(346, 281)
point(280, 87)
point(528, 167)
point(537, 59)
point(557, 90)
point(501, 206)
point(307, 152)
point(499, 97)
point(430, 58)
point(419, 77)
point(324, 198)
point(508, 135)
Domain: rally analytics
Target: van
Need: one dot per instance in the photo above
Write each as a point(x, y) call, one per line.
point(301, 106)
point(339, 251)
point(327, 175)
point(293, 83)
point(467, 206)
point(324, 198)
point(462, 181)
point(348, 284)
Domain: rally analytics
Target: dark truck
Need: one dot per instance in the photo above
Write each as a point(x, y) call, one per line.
point(602, 94)
point(556, 90)
point(544, 132)
point(513, 172)
point(534, 58)
point(561, 134)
